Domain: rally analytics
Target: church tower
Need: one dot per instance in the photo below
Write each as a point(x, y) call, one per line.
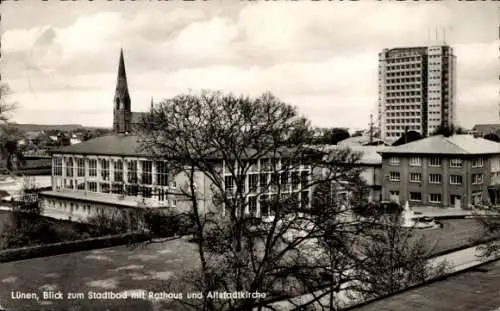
point(122, 113)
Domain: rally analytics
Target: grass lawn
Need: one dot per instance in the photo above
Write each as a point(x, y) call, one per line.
point(124, 268)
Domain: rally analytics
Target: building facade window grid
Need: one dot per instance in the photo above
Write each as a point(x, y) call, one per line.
point(118, 171)
point(435, 198)
point(415, 177)
point(457, 163)
point(416, 196)
point(58, 166)
point(93, 167)
point(434, 161)
point(477, 179)
point(147, 172)
point(69, 167)
point(435, 178)
point(394, 176)
point(477, 162)
point(415, 161)
point(80, 167)
point(161, 173)
point(456, 179)
point(394, 161)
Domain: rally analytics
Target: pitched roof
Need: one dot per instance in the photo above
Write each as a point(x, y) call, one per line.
point(130, 145)
point(357, 141)
point(486, 128)
point(369, 156)
point(456, 144)
point(120, 145)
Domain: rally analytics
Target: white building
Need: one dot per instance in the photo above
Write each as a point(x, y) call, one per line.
point(417, 87)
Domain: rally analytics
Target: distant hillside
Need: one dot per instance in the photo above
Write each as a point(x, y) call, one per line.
point(46, 127)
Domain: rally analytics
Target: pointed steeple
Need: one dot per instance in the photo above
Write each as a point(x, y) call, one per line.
point(121, 83)
point(151, 102)
point(122, 113)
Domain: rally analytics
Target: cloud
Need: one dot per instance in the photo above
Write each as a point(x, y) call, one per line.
point(321, 57)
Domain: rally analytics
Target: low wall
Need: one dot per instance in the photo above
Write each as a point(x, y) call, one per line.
point(72, 246)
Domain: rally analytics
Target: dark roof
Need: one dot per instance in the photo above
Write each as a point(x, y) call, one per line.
point(486, 128)
point(474, 289)
point(120, 145)
point(137, 117)
point(130, 145)
point(453, 145)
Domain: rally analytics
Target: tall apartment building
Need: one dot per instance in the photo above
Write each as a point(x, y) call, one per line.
point(417, 87)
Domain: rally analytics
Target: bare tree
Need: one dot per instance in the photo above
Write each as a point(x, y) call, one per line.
point(393, 259)
point(212, 132)
point(258, 150)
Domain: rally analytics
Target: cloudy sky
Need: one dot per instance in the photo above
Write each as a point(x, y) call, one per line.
point(60, 58)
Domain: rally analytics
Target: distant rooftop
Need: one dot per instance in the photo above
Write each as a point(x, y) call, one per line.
point(456, 144)
point(486, 128)
point(370, 155)
point(475, 289)
point(359, 141)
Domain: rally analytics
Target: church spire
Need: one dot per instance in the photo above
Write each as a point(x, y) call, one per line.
point(121, 82)
point(122, 111)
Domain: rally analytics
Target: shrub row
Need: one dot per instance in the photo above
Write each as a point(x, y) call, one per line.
point(72, 246)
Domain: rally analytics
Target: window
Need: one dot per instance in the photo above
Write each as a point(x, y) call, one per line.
point(434, 178)
point(161, 173)
point(105, 187)
point(104, 169)
point(304, 179)
point(132, 171)
point(229, 183)
point(147, 172)
point(394, 161)
point(415, 161)
point(275, 179)
point(80, 167)
point(415, 196)
point(58, 166)
point(92, 167)
point(253, 181)
point(456, 179)
point(295, 180)
point(252, 205)
point(69, 167)
point(147, 192)
point(118, 171)
point(415, 177)
point(394, 176)
point(435, 197)
point(456, 163)
point(92, 186)
point(304, 199)
point(132, 190)
point(264, 206)
point(117, 188)
point(477, 179)
point(477, 162)
point(435, 162)
point(263, 180)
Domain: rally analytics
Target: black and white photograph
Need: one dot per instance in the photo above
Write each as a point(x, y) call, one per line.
point(249, 155)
